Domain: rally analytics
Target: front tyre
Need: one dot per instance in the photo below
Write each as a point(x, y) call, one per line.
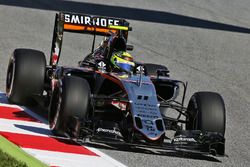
point(70, 103)
point(206, 112)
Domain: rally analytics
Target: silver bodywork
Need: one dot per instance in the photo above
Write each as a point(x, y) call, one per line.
point(144, 106)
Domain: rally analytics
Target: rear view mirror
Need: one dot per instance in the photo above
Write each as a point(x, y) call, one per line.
point(130, 47)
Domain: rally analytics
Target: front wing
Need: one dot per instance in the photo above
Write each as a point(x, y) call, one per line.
point(189, 141)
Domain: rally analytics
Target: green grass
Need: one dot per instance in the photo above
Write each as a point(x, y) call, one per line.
point(13, 156)
point(7, 160)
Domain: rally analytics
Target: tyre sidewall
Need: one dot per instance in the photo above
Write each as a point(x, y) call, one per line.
point(206, 112)
point(28, 74)
point(74, 93)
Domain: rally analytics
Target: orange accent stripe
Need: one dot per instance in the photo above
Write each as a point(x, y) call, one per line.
point(73, 27)
point(88, 28)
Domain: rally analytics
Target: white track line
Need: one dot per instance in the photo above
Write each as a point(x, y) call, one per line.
point(76, 160)
point(24, 127)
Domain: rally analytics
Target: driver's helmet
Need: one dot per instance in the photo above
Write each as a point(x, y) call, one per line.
point(122, 61)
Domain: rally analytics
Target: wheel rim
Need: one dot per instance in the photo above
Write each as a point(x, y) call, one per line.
point(10, 78)
point(193, 115)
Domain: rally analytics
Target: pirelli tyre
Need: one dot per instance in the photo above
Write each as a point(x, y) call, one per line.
point(25, 76)
point(153, 69)
point(69, 106)
point(206, 112)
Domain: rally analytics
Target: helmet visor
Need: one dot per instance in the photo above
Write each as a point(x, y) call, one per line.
point(125, 66)
point(127, 58)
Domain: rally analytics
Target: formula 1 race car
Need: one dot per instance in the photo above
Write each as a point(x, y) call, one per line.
point(93, 102)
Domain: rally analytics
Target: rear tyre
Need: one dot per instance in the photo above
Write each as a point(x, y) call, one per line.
point(151, 69)
point(69, 105)
point(25, 76)
point(206, 112)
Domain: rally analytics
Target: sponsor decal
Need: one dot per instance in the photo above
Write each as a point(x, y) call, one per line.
point(140, 69)
point(184, 139)
point(149, 125)
point(147, 116)
point(91, 21)
point(101, 66)
point(54, 59)
point(109, 131)
point(120, 105)
point(55, 53)
point(152, 134)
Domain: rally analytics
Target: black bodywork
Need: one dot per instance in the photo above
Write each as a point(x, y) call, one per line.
point(128, 108)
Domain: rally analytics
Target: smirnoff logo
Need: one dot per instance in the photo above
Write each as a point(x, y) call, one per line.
point(87, 20)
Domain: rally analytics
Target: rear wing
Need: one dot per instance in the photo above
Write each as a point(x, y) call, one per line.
point(85, 24)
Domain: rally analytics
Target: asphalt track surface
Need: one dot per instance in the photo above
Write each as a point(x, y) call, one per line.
point(203, 42)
